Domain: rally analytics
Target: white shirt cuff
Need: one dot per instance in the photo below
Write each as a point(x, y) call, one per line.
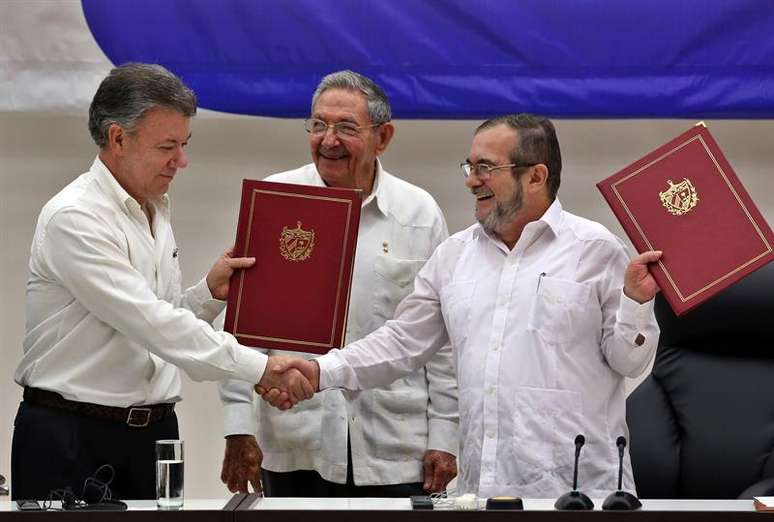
point(635, 315)
point(200, 292)
point(239, 419)
point(442, 435)
point(250, 365)
point(328, 363)
point(208, 308)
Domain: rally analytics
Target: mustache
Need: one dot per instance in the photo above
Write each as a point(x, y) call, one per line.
point(481, 191)
point(334, 152)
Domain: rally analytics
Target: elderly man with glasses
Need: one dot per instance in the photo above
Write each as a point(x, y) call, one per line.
point(398, 440)
point(546, 314)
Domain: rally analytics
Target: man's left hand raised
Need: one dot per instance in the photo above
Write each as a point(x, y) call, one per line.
point(639, 284)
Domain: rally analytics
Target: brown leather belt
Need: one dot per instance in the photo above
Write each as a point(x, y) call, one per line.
point(135, 416)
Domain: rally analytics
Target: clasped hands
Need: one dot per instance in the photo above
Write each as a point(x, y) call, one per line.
point(288, 381)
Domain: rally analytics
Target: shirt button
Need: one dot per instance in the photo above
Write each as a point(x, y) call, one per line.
point(490, 390)
point(495, 347)
point(490, 434)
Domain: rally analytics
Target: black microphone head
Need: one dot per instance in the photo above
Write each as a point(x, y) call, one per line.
point(580, 440)
point(621, 441)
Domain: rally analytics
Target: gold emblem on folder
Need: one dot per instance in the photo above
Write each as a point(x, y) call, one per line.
point(296, 244)
point(679, 198)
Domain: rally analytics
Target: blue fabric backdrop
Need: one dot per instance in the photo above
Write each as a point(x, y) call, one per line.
point(460, 58)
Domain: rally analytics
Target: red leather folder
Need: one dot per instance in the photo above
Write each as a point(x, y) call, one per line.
point(685, 199)
point(303, 238)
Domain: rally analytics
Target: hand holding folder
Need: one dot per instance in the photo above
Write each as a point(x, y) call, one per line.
point(303, 239)
point(685, 199)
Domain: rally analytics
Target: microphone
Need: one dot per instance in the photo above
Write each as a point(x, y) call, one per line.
point(580, 440)
point(575, 500)
point(620, 500)
point(621, 443)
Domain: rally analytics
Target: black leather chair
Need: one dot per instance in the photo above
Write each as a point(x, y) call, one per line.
point(702, 424)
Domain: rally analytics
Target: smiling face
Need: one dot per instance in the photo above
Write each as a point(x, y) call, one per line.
point(146, 160)
point(500, 198)
point(504, 212)
point(348, 162)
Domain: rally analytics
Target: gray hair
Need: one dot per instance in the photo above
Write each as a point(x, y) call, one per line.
point(378, 105)
point(131, 90)
point(537, 144)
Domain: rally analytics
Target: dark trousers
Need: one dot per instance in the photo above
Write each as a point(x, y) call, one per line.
point(309, 483)
point(53, 449)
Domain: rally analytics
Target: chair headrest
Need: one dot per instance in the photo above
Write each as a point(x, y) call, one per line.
point(739, 321)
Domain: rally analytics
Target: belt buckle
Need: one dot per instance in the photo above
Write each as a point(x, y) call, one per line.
point(143, 413)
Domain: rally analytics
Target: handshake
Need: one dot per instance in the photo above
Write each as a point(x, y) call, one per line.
point(288, 381)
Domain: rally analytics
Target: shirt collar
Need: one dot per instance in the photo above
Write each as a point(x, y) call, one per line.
point(553, 216)
point(116, 191)
point(380, 191)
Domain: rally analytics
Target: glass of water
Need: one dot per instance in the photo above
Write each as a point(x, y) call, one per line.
point(169, 474)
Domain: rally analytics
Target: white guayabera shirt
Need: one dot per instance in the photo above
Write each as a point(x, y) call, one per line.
point(543, 338)
point(390, 428)
point(107, 322)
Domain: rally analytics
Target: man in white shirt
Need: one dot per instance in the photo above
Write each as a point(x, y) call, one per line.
point(107, 323)
point(546, 315)
point(398, 440)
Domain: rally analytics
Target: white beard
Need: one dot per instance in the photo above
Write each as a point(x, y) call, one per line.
point(503, 213)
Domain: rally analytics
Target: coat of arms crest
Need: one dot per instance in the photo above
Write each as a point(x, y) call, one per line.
point(296, 244)
point(679, 198)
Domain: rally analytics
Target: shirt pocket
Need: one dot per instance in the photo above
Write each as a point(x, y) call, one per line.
point(173, 291)
point(456, 299)
point(558, 311)
point(395, 280)
point(398, 424)
point(545, 423)
point(296, 430)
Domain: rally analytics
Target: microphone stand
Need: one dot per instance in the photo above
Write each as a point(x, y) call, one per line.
point(575, 500)
point(621, 500)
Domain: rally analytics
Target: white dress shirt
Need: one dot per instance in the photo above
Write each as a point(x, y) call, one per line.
point(107, 322)
point(543, 338)
point(391, 427)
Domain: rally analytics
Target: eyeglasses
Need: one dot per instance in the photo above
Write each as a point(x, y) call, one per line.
point(342, 129)
point(484, 171)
